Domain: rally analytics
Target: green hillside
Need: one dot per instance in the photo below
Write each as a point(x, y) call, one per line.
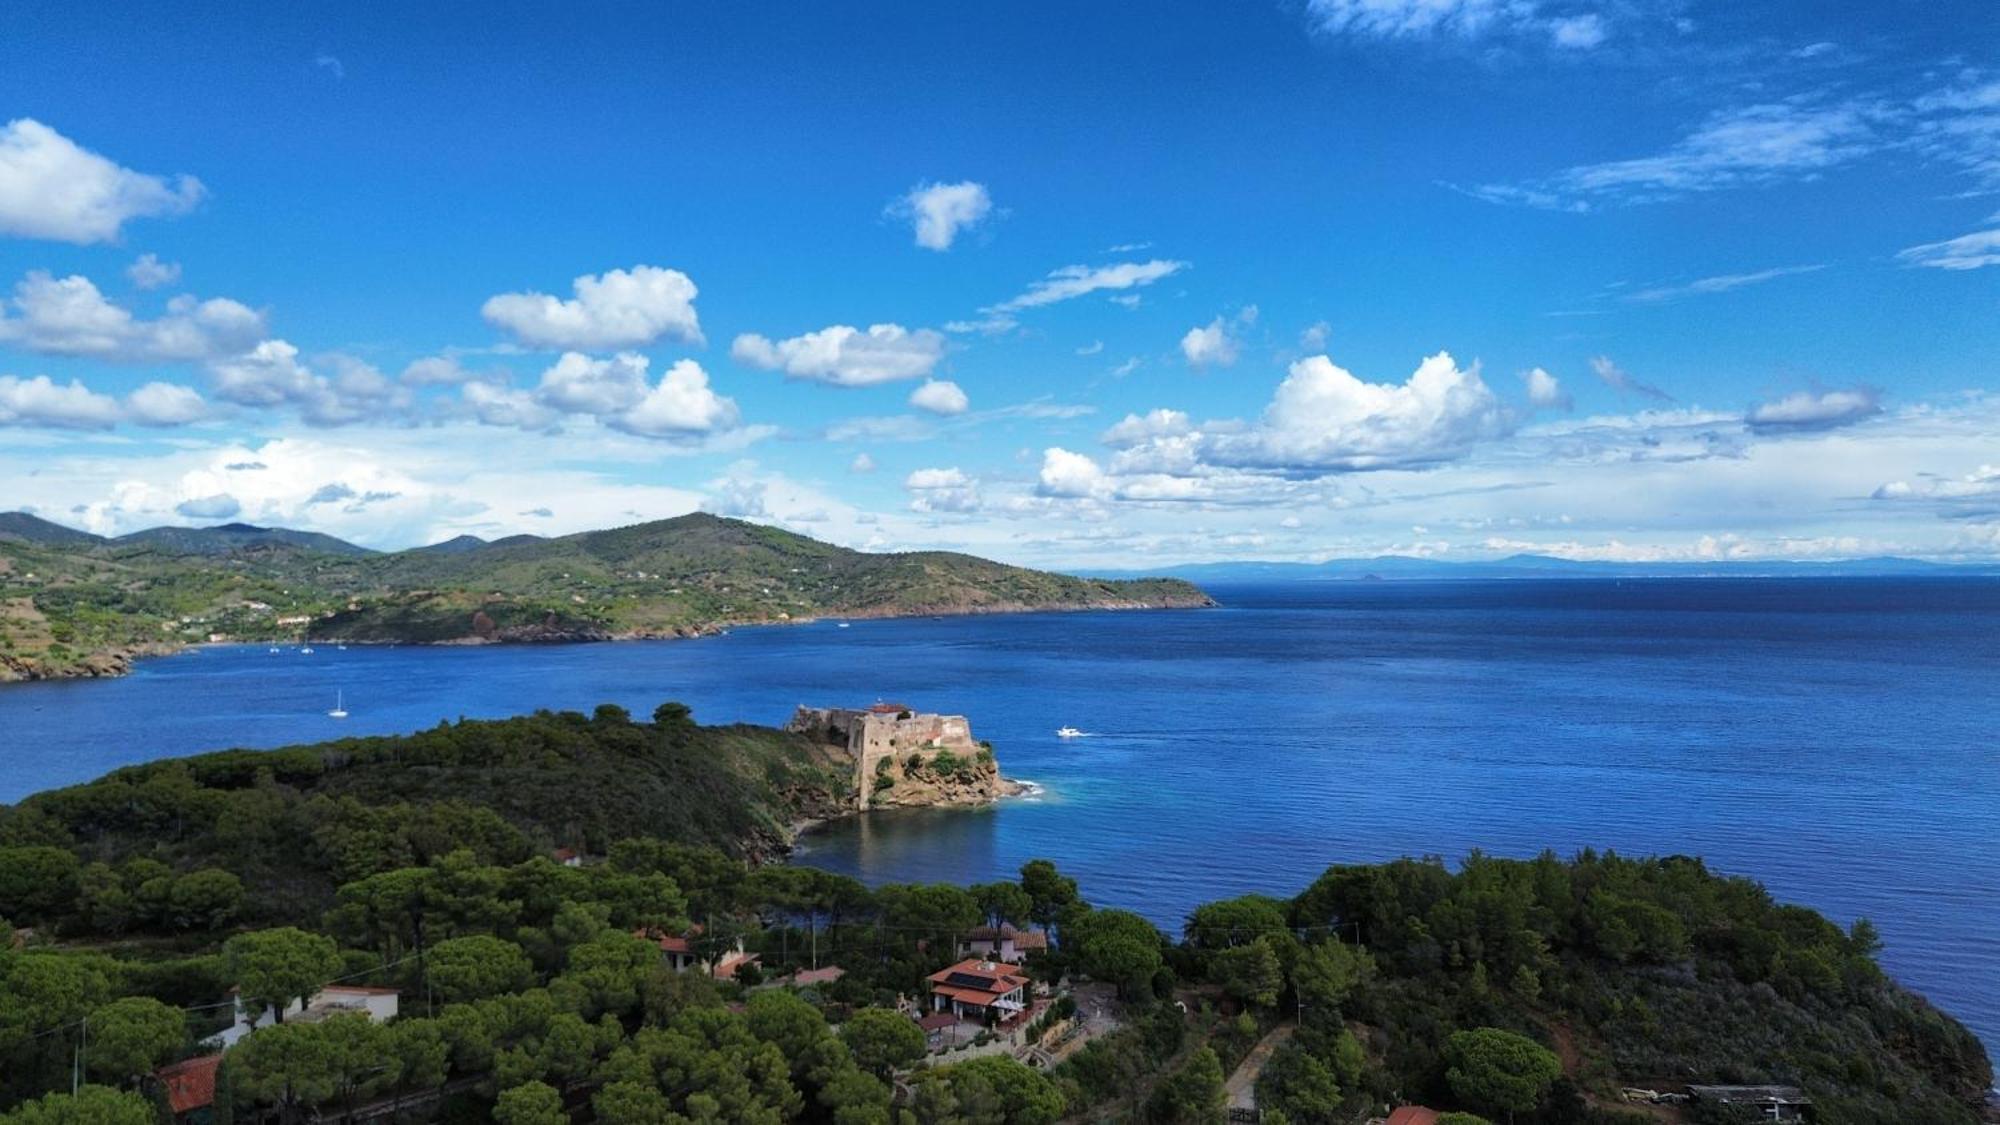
point(76, 604)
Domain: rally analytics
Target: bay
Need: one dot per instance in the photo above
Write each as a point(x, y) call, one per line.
point(1835, 739)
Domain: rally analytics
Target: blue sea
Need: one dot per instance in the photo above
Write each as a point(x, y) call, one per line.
point(1838, 739)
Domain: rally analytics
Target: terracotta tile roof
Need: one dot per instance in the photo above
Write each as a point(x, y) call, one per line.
point(671, 943)
point(1413, 1115)
point(725, 969)
point(828, 975)
point(1023, 939)
point(359, 990)
point(189, 1085)
point(938, 1021)
point(978, 982)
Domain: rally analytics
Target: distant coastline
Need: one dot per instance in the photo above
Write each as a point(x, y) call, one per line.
point(76, 605)
point(1412, 568)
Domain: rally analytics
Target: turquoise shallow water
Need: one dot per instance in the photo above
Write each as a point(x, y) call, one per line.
point(1834, 738)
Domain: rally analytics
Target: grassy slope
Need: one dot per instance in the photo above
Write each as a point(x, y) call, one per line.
point(91, 602)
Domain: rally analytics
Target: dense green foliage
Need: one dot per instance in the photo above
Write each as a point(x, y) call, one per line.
point(173, 844)
point(534, 992)
point(70, 601)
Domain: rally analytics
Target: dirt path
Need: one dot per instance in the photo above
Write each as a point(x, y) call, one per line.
point(1242, 1085)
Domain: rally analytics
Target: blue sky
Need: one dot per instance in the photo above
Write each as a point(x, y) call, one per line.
point(1102, 284)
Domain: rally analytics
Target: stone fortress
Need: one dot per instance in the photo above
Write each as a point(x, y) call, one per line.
point(883, 738)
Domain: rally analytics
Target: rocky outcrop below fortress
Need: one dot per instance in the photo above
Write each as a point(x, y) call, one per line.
point(904, 758)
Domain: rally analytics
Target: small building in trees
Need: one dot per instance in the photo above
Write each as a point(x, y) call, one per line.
point(812, 978)
point(189, 1089)
point(677, 950)
point(380, 1005)
point(1003, 942)
point(733, 962)
point(939, 1030)
point(1770, 1103)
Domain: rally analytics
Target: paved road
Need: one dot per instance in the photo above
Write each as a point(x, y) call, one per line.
point(1242, 1085)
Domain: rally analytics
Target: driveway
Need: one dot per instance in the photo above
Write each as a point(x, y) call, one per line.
point(1242, 1085)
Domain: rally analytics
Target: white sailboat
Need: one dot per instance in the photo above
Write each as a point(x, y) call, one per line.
point(339, 706)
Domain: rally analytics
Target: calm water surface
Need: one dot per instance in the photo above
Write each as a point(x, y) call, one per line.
point(1834, 738)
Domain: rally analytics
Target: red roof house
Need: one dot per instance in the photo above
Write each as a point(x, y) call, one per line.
point(977, 989)
point(190, 1085)
point(1413, 1115)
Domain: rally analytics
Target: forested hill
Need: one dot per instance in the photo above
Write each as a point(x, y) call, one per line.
point(295, 823)
point(72, 603)
point(1530, 991)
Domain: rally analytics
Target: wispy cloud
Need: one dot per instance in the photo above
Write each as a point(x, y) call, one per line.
point(1622, 381)
point(1459, 20)
point(1071, 282)
point(1966, 252)
point(1721, 283)
point(1783, 139)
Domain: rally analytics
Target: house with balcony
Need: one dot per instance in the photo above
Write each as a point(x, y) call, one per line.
point(975, 989)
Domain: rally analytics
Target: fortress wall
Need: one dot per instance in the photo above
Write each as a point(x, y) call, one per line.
point(871, 738)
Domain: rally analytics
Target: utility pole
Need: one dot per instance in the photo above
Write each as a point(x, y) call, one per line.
point(76, 1059)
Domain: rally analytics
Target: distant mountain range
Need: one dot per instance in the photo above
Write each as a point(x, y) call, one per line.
point(73, 603)
point(1405, 567)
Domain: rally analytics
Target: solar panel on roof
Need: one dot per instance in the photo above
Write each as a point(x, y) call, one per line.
point(970, 980)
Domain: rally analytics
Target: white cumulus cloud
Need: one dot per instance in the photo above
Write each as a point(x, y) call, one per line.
point(51, 187)
point(346, 390)
point(1323, 418)
point(615, 309)
point(681, 406)
point(942, 490)
point(70, 316)
point(1069, 475)
point(41, 401)
point(845, 356)
point(1814, 410)
point(1210, 346)
point(149, 272)
point(938, 212)
point(579, 384)
point(165, 404)
point(1136, 429)
point(1544, 390)
point(940, 397)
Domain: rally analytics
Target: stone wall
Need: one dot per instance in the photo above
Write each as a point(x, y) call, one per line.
point(875, 737)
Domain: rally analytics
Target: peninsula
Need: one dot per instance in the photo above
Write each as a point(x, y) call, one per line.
point(76, 604)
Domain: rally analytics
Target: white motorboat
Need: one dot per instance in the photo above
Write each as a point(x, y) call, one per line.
point(1068, 732)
